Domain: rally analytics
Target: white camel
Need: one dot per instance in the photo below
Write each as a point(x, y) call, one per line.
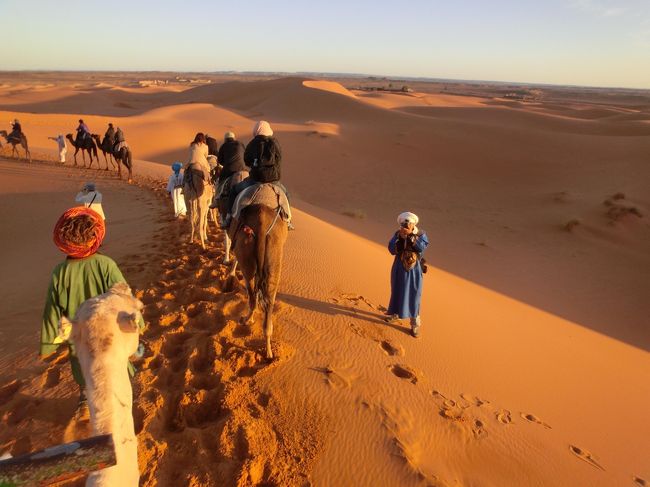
point(105, 334)
point(198, 196)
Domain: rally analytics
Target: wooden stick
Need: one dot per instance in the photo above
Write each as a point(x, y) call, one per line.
point(59, 463)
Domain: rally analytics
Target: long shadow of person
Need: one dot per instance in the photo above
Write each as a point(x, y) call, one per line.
point(334, 309)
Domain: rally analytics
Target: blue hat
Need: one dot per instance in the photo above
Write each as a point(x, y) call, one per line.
point(176, 167)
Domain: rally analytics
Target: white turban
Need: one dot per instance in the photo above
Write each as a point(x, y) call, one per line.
point(407, 216)
point(262, 128)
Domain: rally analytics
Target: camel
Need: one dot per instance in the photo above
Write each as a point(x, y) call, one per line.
point(258, 237)
point(106, 148)
point(87, 144)
point(14, 143)
point(198, 196)
point(105, 333)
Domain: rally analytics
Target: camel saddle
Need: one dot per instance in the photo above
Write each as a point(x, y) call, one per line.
point(15, 137)
point(267, 194)
point(224, 187)
point(194, 177)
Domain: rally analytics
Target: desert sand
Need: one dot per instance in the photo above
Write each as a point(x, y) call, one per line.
point(533, 364)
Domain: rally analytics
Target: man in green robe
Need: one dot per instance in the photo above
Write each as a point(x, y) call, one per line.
point(82, 275)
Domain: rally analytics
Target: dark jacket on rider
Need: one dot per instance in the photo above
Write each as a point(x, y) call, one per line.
point(231, 157)
point(16, 129)
point(119, 136)
point(263, 156)
point(110, 134)
point(212, 147)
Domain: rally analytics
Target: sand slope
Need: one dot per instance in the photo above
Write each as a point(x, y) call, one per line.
point(533, 366)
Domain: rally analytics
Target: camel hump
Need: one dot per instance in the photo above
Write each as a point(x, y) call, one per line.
point(267, 194)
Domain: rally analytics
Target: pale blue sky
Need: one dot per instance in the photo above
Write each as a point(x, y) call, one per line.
point(585, 42)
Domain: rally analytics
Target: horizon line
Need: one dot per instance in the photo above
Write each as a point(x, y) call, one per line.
point(331, 75)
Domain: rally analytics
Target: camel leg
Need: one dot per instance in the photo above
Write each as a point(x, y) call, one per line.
point(227, 243)
point(119, 168)
point(252, 301)
point(268, 330)
point(203, 222)
point(75, 155)
point(193, 210)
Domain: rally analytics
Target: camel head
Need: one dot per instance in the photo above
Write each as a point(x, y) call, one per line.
point(3, 133)
point(69, 137)
point(96, 137)
point(107, 325)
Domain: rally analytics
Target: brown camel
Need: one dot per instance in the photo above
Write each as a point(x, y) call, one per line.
point(14, 142)
point(258, 237)
point(198, 196)
point(105, 148)
point(87, 144)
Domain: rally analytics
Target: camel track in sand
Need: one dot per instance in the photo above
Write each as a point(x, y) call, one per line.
point(200, 414)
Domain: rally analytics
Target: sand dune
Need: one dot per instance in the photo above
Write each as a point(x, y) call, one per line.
point(535, 332)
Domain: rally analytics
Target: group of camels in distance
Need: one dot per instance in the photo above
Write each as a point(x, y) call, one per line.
point(255, 237)
point(87, 144)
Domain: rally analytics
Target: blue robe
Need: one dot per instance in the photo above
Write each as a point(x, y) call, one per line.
point(406, 286)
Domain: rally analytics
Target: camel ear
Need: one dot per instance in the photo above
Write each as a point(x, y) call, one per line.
point(128, 322)
point(65, 328)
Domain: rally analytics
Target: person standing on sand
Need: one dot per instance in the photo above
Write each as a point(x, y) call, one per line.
point(63, 148)
point(82, 275)
point(407, 245)
point(175, 190)
point(91, 198)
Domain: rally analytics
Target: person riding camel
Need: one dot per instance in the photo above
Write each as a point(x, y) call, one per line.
point(120, 141)
point(83, 132)
point(16, 130)
point(109, 136)
point(198, 161)
point(213, 147)
point(231, 157)
point(263, 156)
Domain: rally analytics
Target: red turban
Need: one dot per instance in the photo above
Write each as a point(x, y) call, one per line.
point(74, 249)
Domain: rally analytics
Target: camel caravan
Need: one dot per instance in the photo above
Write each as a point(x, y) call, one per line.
point(113, 145)
point(90, 307)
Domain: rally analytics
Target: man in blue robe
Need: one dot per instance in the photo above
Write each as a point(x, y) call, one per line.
point(407, 245)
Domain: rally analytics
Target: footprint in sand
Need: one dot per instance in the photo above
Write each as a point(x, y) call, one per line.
point(8, 391)
point(504, 416)
point(404, 372)
point(391, 348)
point(52, 377)
point(334, 378)
point(473, 400)
point(586, 456)
point(531, 418)
point(639, 481)
point(478, 429)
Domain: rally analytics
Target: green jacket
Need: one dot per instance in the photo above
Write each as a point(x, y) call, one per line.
point(73, 282)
